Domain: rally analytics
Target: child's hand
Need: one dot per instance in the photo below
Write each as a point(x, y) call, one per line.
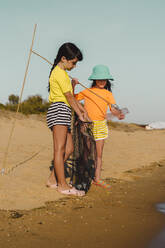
point(123, 112)
point(118, 113)
point(121, 116)
point(81, 117)
point(86, 117)
point(74, 82)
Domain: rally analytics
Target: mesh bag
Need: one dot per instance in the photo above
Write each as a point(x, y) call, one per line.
point(80, 167)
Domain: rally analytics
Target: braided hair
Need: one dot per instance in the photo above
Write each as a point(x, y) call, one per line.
point(69, 51)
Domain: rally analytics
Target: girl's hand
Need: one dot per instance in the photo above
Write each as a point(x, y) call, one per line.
point(74, 82)
point(121, 116)
point(118, 113)
point(115, 111)
point(81, 117)
point(86, 117)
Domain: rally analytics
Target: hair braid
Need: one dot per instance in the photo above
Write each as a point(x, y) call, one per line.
point(54, 64)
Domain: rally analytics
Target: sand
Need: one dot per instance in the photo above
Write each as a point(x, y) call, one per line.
point(30, 154)
point(32, 215)
point(123, 217)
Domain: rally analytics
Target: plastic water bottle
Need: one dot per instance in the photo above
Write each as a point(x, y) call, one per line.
point(124, 111)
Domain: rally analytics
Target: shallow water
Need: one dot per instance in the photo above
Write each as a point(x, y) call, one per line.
point(161, 207)
point(159, 240)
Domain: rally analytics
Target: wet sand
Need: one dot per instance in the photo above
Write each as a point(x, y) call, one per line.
point(123, 217)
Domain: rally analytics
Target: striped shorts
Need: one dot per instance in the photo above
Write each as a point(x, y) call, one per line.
point(59, 113)
point(100, 130)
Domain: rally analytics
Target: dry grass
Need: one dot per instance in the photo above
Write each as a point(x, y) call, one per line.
point(11, 115)
point(127, 127)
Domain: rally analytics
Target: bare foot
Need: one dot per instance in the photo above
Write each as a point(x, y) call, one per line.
point(72, 191)
point(62, 187)
point(53, 186)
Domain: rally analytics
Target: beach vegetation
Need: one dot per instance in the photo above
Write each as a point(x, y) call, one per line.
point(32, 105)
point(2, 106)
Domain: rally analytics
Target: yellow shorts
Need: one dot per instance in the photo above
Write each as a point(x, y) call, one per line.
point(100, 130)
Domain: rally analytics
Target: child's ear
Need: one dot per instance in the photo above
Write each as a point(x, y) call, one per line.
point(63, 59)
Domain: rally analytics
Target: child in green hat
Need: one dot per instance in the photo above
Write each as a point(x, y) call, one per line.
point(97, 99)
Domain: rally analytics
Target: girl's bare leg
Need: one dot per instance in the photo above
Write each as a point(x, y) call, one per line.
point(99, 150)
point(69, 146)
point(68, 150)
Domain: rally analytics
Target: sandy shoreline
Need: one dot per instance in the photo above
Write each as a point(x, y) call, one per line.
point(125, 216)
point(30, 153)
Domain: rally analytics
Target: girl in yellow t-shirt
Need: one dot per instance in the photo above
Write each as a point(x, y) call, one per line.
point(97, 108)
point(59, 114)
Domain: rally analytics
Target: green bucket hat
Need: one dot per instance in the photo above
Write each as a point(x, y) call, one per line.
point(100, 72)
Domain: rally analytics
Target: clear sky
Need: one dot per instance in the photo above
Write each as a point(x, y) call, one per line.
point(126, 35)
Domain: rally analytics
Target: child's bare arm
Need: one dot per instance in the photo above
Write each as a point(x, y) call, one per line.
point(74, 104)
point(84, 111)
point(74, 82)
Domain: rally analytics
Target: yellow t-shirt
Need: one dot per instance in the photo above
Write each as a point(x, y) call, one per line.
point(95, 106)
point(59, 84)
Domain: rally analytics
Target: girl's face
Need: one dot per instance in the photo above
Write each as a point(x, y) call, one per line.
point(101, 83)
point(69, 64)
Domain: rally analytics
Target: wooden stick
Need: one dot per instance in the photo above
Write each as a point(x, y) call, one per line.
point(20, 98)
point(42, 57)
